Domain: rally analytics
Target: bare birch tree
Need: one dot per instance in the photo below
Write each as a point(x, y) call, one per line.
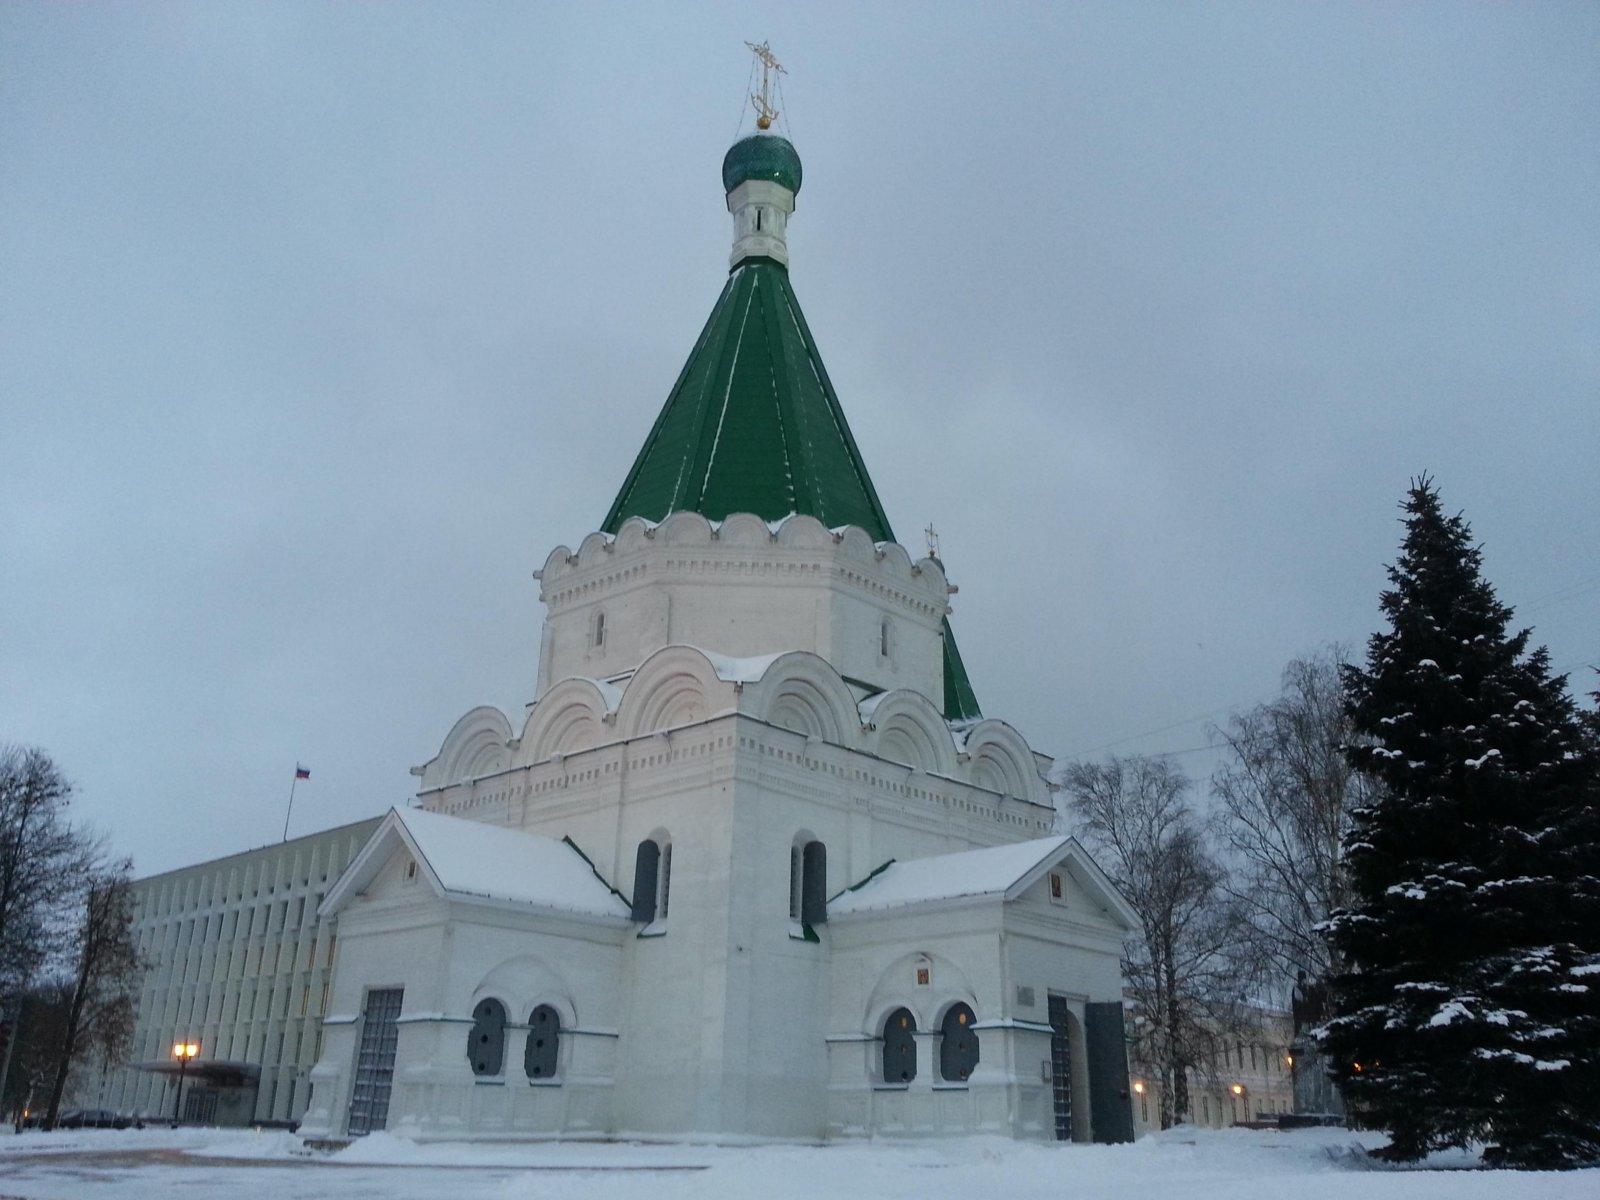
point(1181, 972)
point(42, 858)
point(1285, 794)
point(104, 981)
point(43, 861)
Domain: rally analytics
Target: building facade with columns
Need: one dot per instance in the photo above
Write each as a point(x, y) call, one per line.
point(1251, 1079)
point(237, 962)
point(753, 863)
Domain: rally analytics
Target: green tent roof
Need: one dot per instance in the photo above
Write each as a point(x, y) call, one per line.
point(753, 425)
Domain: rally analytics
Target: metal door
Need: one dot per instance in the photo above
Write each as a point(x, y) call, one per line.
point(200, 1106)
point(369, 1097)
point(1061, 1066)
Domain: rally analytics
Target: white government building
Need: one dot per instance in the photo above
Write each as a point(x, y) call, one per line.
point(237, 962)
point(753, 864)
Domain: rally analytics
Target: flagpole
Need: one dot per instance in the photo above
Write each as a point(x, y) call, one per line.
point(290, 809)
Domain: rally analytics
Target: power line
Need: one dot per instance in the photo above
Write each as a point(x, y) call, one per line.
point(1577, 588)
point(1567, 591)
point(1176, 753)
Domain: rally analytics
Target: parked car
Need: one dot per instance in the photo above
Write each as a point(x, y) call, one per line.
point(92, 1118)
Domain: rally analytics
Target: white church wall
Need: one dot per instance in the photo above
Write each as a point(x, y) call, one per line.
point(673, 976)
point(926, 962)
point(449, 955)
point(723, 1010)
point(743, 590)
point(1069, 948)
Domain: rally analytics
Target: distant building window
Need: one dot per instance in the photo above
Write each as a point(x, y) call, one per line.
point(900, 1047)
point(1056, 887)
point(411, 870)
point(600, 628)
point(486, 1041)
point(958, 1045)
point(539, 1060)
point(884, 643)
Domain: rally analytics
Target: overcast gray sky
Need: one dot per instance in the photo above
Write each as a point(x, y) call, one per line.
point(321, 325)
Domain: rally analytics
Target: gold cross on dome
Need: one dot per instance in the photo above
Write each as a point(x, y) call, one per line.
point(771, 68)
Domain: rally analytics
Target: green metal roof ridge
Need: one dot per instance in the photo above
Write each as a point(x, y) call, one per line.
point(753, 424)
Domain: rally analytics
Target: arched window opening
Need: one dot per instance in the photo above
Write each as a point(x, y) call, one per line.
point(900, 1047)
point(958, 1045)
point(808, 884)
point(600, 628)
point(664, 888)
point(883, 639)
point(540, 1058)
point(486, 1041)
point(646, 866)
point(796, 879)
point(814, 889)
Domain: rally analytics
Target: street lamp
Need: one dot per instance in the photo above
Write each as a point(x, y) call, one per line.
point(183, 1052)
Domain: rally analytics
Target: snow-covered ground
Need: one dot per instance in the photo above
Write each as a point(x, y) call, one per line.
point(1193, 1164)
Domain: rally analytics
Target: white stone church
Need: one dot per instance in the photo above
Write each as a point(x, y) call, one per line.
point(753, 865)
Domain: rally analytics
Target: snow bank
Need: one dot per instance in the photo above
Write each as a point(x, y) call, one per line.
point(1311, 1164)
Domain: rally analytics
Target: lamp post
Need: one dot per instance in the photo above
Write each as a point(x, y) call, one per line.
point(183, 1052)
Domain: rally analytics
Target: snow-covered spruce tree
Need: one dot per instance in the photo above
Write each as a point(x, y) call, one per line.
point(1469, 1009)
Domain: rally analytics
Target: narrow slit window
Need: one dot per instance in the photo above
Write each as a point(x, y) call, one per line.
point(666, 882)
point(646, 876)
point(814, 883)
point(796, 870)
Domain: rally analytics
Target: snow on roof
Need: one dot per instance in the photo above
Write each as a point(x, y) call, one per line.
point(741, 670)
point(474, 858)
point(986, 872)
point(609, 692)
point(868, 707)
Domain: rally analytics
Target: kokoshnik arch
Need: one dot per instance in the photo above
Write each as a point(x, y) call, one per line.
point(754, 863)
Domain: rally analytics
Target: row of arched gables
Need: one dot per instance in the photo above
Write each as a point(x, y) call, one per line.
point(680, 685)
point(541, 1056)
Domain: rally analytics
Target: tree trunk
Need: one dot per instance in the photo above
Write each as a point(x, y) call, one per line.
point(13, 1036)
point(1176, 1063)
point(69, 1040)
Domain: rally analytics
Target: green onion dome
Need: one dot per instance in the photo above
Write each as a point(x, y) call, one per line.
point(761, 156)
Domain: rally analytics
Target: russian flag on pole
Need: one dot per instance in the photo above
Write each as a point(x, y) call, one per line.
point(300, 772)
